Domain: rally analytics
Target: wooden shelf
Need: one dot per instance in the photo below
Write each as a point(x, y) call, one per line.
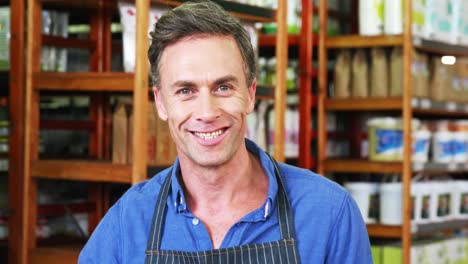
point(242, 11)
point(431, 228)
point(81, 170)
point(361, 166)
point(269, 40)
point(364, 104)
point(61, 209)
point(57, 255)
point(68, 42)
point(265, 92)
point(84, 81)
point(358, 41)
point(420, 106)
point(66, 125)
point(384, 231)
point(439, 48)
point(440, 167)
point(429, 107)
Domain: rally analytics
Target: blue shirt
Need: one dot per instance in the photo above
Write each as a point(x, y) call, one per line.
point(329, 226)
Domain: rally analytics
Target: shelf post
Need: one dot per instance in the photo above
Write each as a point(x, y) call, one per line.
point(140, 93)
point(322, 91)
point(407, 128)
point(305, 85)
point(31, 141)
point(280, 89)
point(16, 137)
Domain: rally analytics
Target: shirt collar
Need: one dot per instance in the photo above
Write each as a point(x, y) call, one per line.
point(177, 199)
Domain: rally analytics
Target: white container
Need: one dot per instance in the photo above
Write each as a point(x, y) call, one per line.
point(440, 197)
point(385, 139)
point(393, 17)
point(416, 202)
point(460, 146)
point(391, 203)
point(128, 21)
point(463, 29)
point(366, 195)
point(459, 201)
point(371, 17)
point(442, 147)
point(421, 142)
point(423, 201)
point(442, 20)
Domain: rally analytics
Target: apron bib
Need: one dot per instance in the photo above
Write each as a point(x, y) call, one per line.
point(276, 252)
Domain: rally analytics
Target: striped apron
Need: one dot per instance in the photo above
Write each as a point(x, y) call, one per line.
point(281, 251)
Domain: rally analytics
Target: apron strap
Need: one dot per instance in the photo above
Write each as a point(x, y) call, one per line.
point(285, 215)
point(154, 238)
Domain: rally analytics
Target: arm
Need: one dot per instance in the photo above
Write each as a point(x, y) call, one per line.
point(104, 245)
point(349, 242)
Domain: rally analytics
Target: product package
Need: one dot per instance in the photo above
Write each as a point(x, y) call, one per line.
point(396, 73)
point(379, 73)
point(360, 76)
point(343, 75)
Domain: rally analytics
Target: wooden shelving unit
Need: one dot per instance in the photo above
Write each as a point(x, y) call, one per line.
point(406, 106)
point(16, 103)
point(99, 82)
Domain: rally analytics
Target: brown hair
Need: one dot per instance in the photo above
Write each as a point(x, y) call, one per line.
point(198, 19)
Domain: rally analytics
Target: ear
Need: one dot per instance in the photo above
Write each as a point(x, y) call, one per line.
point(162, 113)
point(252, 91)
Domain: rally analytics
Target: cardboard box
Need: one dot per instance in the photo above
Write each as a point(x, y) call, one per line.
point(120, 133)
point(161, 150)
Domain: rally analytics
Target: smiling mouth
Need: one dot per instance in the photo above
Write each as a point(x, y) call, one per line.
point(210, 135)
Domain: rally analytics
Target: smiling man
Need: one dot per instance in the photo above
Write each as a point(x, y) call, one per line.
point(224, 200)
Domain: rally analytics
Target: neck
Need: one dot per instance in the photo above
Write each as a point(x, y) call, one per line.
point(229, 185)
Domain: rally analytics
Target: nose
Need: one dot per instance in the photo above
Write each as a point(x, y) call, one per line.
point(208, 108)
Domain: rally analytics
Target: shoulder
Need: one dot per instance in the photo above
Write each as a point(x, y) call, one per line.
point(142, 193)
point(304, 184)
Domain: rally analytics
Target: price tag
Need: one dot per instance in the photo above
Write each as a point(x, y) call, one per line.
point(418, 166)
point(415, 102)
point(452, 166)
point(417, 41)
point(451, 106)
point(426, 104)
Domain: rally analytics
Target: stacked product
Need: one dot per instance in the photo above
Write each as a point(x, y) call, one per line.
point(261, 127)
point(449, 141)
point(161, 150)
point(432, 201)
point(128, 21)
point(54, 23)
point(439, 20)
point(375, 73)
point(3, 208)
point(434, 251)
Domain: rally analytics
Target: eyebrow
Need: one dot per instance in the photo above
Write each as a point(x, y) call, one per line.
point(224, 79)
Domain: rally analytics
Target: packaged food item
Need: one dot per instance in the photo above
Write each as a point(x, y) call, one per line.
point(371, 17)
point(379, 73)
point(396, 72)
point(360, 77)
point(366, 195)
point(343, 75)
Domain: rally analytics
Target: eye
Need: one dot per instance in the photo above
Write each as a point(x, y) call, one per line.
point(224, 88)
point(184, 91)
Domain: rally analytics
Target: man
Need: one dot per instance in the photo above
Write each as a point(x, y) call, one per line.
point(224, 200)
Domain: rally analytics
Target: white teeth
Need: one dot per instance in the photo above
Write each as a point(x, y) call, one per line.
point(208, 136)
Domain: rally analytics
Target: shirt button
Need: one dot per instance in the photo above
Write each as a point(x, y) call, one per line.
point(195, 221)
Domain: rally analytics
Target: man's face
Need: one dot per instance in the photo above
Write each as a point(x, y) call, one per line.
point(204, 98)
